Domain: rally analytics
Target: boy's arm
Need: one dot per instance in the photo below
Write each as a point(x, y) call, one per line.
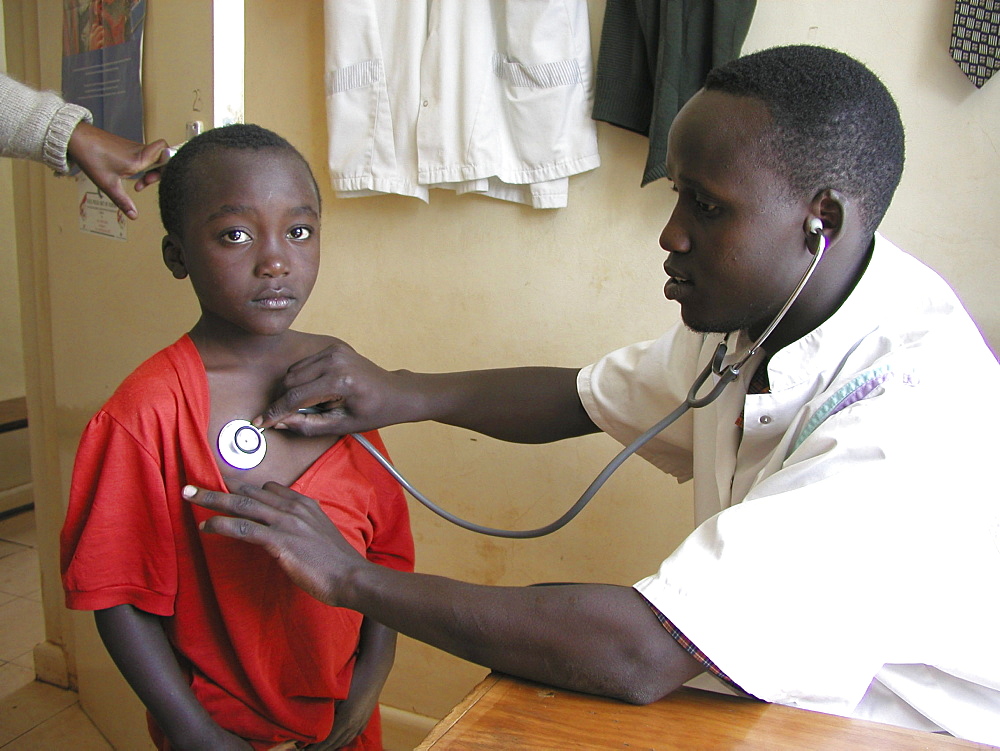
point(138, 644)
point(524, 405)
point(376, 652)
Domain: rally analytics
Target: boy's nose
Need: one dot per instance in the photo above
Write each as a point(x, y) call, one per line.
point(273, 261)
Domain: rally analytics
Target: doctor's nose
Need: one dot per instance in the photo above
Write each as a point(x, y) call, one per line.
point(673, 238)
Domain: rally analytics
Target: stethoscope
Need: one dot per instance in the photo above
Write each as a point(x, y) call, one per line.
point(243, 446)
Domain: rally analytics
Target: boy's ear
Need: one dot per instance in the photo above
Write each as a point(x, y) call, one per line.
point(173, 256)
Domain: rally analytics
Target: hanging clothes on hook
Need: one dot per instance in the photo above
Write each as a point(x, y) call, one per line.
point(476, 96)
point(654, 56)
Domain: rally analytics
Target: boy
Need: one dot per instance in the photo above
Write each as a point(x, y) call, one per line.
point(225, 652)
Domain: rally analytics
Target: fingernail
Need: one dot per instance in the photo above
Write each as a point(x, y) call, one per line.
point(189, 491)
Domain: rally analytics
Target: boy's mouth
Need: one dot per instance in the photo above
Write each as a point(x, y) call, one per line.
point(275, 299)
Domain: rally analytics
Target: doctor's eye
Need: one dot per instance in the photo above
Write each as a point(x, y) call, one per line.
point(300, 233)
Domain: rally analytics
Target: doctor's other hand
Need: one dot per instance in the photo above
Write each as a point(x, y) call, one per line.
point(108, 159)
point(344, 393)
point(289, 526)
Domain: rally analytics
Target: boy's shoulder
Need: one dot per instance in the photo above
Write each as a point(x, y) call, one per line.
point(175, 371)
point(310, 339)
point(305, 344)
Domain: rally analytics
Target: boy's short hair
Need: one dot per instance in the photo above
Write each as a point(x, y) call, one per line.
point(174, 189)
point(835, 125)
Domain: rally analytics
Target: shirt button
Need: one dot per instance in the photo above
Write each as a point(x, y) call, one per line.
point(765, 419)
point(425, 102)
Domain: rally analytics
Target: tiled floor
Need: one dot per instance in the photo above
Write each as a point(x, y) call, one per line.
point(34, 716)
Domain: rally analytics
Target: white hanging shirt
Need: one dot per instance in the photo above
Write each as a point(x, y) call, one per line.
point(485, 96)
point(847, 558)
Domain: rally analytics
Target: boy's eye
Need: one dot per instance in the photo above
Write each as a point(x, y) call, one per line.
point(236, 236)
point(300, 233)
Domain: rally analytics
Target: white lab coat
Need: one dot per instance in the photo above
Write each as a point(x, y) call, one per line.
point(848, 548)
point(485, 96)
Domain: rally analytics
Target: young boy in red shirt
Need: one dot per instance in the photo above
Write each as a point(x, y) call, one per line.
point(222, 648)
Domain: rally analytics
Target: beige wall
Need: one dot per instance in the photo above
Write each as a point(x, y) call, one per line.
point(473, 282)
point(15, 467)
point(96, 308)
point(11, 354)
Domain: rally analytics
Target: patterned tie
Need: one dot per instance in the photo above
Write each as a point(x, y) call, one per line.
point(975, 38)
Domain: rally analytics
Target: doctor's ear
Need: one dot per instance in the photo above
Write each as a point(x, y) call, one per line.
point(173, 256)
point(832, 208)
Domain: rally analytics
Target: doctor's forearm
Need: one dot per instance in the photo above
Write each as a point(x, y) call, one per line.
point(523, 405)
point(594, 638)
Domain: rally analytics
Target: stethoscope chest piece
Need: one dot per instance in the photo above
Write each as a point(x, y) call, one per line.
point(242, 444)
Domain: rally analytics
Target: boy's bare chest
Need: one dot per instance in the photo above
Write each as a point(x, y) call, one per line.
point(286, 456)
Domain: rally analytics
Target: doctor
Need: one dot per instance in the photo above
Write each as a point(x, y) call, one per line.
point(846, 508)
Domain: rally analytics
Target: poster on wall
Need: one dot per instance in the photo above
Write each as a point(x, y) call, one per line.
point(98, 214)
point(102, 71)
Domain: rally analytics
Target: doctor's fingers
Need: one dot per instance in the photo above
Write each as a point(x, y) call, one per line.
point(325, 415)
point(312, 383)
point(338, 370)
point(336, 350)
point(253, 510)
point(290, 527)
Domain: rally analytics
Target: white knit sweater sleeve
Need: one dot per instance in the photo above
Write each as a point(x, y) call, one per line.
point(36, 125)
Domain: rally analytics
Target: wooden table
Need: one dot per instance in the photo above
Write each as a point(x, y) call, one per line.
point(511, 714)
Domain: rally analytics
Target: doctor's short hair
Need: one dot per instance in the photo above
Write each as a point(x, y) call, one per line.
point(175, 181)
point(835, 125)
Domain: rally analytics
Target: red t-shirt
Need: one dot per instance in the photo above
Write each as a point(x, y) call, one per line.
point(266, 660)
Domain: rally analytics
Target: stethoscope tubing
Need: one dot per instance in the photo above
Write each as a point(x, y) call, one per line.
point(726, 375)
point(559, 523)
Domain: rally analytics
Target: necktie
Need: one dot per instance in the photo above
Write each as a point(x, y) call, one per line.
point(975, 38)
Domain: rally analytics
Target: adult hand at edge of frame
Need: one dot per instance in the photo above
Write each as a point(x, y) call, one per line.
point(289, 526)
point(108, 159)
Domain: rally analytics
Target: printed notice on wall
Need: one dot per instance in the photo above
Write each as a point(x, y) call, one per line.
point(98, 214)
point(102, 71)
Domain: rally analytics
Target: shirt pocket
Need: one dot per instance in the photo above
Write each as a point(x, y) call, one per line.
point(356, 101)
point(543, 64)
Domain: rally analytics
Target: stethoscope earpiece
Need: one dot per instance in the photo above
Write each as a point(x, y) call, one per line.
point(815, 239)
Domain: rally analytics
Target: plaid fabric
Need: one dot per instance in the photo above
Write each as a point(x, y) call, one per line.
point(759, 384)
point(688, 646)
